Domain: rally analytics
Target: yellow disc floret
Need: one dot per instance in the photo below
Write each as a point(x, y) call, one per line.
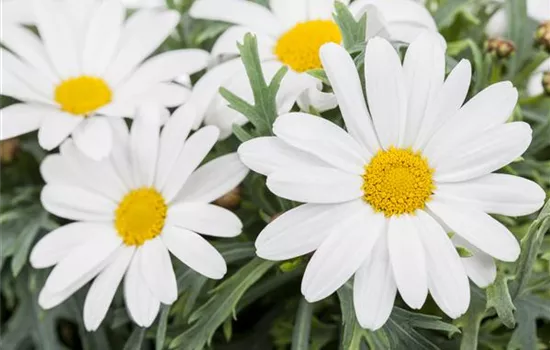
point(83, 94)
point(140, 216)
point(397, 181)
point(299, 47)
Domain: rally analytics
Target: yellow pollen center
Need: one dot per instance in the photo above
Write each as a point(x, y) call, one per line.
point(299, 47)
point(83, 94)
point(140, 216)
point(397, 181)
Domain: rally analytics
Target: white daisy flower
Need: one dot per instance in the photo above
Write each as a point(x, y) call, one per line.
point(146, 199)
point(378, 195)
point(89, 62)
point(289, 32)
point(16, 12)
point(537, 10)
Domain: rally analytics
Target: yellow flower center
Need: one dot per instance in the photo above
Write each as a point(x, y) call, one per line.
point(299, 47)
point(397, 181)
point(140, 216)
point(83, 94)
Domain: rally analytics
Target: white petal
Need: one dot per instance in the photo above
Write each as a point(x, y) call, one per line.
point(266, 155)
point(142, 34)
point(32, 77)
point(323, 9)
point(343, 76)
point(424, 70)
point(102, 291)
point(57, 36)
point(99, 177)
point(16, 12)
point(20, 118)
point(408, 260)
point(59, 243)
point(13, 86)
point(480, 267)
point(386, 91)
point(194, 251)
point(54, 169)
point(120, 152)
point(489, 152)
point(162, 68)
point(208, 87)
point(75, 203)
point(446, 103)
point(214, 179)
point(539, 10)
point(157, 271)
point(144, 140)
point(447, 278)
point(102, 37)
point(478, 228)
point(490, 108)
point(322, 138)
point(56, 127)
point(342, 253)
point(290, 12)
point(165, 94)
point(97, 251)
point(142, 306)
point(193, 153)
point(206, 219)
point(173, 136)
point(245, 13)
point(497, 24)
point(315, 185)
point(495, 194)
point(302, 230)
point(94, 137)
point(374, 287)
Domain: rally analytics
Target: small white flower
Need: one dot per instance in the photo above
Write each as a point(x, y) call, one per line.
point(537, 10)
point(380, 196)
point(16, 12)
point(146, 199)
point(289, 32)
point(89, 62)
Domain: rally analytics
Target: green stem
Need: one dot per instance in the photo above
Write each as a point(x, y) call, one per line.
point(302, 326)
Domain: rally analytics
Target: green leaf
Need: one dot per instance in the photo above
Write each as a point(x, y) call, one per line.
point(498, 297)
point(319, 74)
point(529, 309)
point(264, 111)
point(136, 339)
point(23, 244)
point(463, 252)
point(353, 32)
point(161, 330)
point(302, 326)
point(447, 13)
point(471, 320)
point(530, 246)
point(220, 306)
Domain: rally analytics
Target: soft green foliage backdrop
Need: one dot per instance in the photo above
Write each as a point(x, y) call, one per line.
point(258, 305)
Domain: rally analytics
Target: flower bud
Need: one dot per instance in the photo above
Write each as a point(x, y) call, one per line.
point(542, 36)
point(230, 200)
point(8, 149)
point(501, 48)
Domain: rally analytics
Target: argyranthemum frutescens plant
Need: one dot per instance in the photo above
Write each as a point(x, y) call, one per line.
point(259, 303)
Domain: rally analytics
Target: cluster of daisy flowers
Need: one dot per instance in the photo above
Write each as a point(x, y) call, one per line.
point(386, 201)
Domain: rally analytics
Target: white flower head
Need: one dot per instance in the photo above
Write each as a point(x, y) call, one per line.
point(148, 198)
point(289, 33)
point(89, 62)
point(380, 196)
